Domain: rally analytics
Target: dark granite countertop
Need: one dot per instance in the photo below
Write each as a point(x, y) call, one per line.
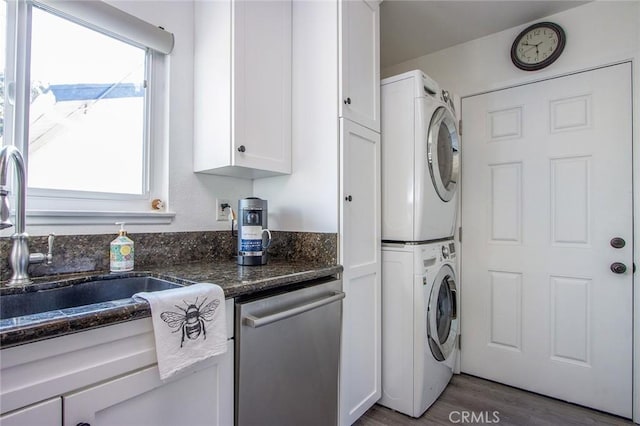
point(235, 281)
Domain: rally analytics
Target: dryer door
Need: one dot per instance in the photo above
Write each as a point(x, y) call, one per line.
point(442, 314)
point(442, 153)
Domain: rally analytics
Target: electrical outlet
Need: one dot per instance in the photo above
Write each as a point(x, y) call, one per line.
point(223, 209)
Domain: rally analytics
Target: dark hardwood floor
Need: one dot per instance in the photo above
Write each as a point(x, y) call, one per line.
point(482, 397)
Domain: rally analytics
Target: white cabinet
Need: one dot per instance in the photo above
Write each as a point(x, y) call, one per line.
point(242, 88)
point(109, 376)
point(360, 62)
point(141, 398)
point(360, 385)
point(46, 413)
point(359, 110)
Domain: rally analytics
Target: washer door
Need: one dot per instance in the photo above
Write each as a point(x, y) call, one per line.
point(442, 153)
point(442, 314)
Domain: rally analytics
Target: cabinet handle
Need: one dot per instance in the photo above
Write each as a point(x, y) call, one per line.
point(348, 198)
point(83, 424)
point(256, 322)
point(241, 148)
point(347, 101)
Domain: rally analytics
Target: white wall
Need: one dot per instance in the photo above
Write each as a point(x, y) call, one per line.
point(307, 200)
point(191, 196)
point(598, 33)
point(304, 201)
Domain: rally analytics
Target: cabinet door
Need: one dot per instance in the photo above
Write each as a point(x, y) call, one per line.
point(47, 413)
point(242, 76)
point(202, 397)
point(262, 85)
point(360, 62)
point(360, 256)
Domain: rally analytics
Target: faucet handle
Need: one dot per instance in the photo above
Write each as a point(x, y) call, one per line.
point(5, 212)
point(41, 257)
point(49, 256)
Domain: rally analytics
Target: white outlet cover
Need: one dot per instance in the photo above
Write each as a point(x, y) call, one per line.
point(222, 215)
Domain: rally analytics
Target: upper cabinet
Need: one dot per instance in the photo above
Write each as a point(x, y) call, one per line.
point(242, 88)
point(360, 62)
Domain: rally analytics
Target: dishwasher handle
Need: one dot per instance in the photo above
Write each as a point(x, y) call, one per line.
point(256, 322)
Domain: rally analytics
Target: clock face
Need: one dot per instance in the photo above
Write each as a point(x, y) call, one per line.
point(538, 46)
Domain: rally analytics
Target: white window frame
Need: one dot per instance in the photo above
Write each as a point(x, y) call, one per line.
point(64, 207)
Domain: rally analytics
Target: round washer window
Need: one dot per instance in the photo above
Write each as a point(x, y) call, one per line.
point(444, 312)
point(443, 149)
point(442, 317)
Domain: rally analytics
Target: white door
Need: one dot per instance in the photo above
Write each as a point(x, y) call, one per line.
point(546, 186)
point(360, 256)
point(360, 62)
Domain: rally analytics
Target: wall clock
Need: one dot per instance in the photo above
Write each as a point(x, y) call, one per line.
point(538, 46)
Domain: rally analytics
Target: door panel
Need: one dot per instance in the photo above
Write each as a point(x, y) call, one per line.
point(546, 185)
point(360, 379)
point(262, 100)
point(201, 396)
point(46, 413)
point(360, 62)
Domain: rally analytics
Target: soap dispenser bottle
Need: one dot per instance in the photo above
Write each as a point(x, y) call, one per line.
point(121, 252)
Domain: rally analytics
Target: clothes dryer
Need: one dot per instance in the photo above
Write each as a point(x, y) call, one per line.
point(420, 159)
point(420, 324)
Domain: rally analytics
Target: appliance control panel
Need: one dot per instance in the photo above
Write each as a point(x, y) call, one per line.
point(449, 251)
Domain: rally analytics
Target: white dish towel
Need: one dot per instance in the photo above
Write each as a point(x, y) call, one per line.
point(189, 324)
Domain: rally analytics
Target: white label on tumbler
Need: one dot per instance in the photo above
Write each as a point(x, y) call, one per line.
point(251, 239)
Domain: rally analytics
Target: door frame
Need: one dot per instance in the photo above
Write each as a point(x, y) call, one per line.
point(635, 176)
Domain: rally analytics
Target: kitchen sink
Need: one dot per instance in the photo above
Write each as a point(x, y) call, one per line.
point(78, 294)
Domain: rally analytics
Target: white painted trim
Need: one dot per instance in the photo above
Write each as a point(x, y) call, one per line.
point(88, 217)
point(635, 114)
point(110, 20)
point(548, 76)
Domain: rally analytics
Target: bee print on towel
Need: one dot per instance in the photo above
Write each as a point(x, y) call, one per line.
point(191, 321)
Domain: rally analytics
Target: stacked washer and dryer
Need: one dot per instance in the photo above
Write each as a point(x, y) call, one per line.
point(420, 167)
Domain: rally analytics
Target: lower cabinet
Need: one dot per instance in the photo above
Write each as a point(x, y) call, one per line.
point(360, 369)
point(46, 413)
point(203, 397)
point(109, 377)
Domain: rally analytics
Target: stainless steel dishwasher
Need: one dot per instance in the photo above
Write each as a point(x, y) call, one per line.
point(287, 356)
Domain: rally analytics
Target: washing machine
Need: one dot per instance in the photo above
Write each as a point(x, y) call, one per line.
point(420, 159)
point(420, 324)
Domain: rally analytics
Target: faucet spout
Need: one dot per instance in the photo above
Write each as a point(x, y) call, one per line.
point(11, 153)
point(19, 257)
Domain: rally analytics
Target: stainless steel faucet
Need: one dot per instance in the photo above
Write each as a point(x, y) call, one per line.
point(19, 259)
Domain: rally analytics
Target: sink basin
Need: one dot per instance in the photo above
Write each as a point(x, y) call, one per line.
point(79, 294)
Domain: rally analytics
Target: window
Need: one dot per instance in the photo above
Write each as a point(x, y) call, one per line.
point(3, 49)
point(87, 114)
point(91, 124)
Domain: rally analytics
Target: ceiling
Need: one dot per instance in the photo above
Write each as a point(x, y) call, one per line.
point(410, 29)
